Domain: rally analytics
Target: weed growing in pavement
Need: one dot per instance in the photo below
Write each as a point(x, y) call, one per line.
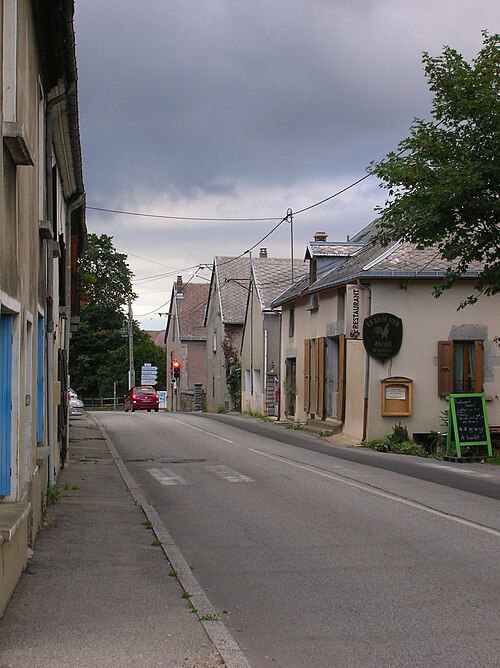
point(148, 524)
point(209, 618)
point(185, 594)
point(173, 574)
point(156, 543)
point(53, 495)
point(295, 425)
point(221, 409)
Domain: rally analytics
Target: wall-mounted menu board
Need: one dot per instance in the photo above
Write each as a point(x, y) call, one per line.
point(468, 422)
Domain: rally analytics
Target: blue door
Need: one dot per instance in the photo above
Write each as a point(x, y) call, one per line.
point(39, 382)
point(5, 401)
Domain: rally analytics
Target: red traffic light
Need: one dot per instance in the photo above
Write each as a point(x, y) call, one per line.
point(176, 365)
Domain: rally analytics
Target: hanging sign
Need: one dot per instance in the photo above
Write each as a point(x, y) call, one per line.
point(468, 422)
point(382, 336)
point(355, 310)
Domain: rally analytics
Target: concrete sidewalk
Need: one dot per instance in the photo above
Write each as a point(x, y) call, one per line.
point(98, 591)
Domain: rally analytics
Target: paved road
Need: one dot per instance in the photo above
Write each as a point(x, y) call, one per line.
point(314, 559)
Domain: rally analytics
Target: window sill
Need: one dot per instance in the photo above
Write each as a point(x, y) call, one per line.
point(12, 515)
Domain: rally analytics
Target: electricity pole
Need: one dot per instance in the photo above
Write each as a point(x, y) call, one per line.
point(131, 370)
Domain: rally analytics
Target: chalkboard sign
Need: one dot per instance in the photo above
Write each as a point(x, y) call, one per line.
point(468, 422)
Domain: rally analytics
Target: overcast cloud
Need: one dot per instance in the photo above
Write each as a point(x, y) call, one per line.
point(245, 108)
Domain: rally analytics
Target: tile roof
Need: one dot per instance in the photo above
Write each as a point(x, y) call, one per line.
point(331, 249)
point(191, 311)
point(233, 281)
point(399, 260)
point(157, 336)
point(273, 275)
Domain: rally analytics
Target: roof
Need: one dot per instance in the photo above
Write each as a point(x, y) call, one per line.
point(157, 336)
point(401, 260)
point(273, 275)
point(231, 276)
point(317, 249)
point(191, 311)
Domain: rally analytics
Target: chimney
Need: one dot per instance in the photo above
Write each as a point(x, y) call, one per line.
point(320, 236)
point(263, 252)
point(179, 285)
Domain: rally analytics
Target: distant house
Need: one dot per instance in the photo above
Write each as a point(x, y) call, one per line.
point(186, 339)
point(224, 319)
point(260, 348)
point(330, 375)
point(43, 232)
point(157, 336)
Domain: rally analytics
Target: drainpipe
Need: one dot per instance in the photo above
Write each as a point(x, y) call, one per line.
point(74, 204)
point(50, 280)
point(367, 365)
point(265, 372)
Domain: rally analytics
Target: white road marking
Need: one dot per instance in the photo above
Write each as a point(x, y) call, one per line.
point(205, 431)
point(228, 474)
point(167, 477)
point(448, 469)
point(378, 492)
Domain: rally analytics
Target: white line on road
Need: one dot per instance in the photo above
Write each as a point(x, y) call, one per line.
point(167, 477)
point(448, 469)
point(378, 492)
point(228, 474)
point(205, 431)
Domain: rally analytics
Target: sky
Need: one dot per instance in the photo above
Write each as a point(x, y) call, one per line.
point(246, 109)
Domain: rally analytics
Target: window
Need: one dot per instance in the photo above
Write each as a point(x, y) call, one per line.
point(460, 365)
point(291, 323)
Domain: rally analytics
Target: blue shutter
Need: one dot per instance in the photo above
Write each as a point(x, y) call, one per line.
point(39, 382)
point(5, 401)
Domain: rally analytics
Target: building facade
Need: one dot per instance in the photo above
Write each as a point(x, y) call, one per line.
point(370, 346)
point(42, 222)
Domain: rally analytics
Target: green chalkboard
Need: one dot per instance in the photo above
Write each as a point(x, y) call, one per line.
point(468, 422)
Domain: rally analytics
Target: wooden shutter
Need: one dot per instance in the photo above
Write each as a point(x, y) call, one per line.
point(307, 374)
point(341, 374)
point(320, 377)
point(478, 353)
point(445, 368)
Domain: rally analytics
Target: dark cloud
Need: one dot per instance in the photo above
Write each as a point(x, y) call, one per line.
point(247, 107)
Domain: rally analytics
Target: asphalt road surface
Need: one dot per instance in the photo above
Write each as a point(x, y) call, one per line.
point(316, 555)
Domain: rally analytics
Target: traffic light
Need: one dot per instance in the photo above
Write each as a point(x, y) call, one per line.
point(176, 367)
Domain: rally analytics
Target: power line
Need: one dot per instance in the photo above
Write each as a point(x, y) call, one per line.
point(154, 215)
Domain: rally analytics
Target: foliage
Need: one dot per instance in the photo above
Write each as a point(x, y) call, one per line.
point(398, 442)
point(444, 180)
point(233, 372)
point(98, 351)
point(106, 274)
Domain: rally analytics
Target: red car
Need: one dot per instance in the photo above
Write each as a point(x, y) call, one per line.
point(142, 398)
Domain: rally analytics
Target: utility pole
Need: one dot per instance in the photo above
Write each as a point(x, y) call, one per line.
point(289, 217)
point(131, 370)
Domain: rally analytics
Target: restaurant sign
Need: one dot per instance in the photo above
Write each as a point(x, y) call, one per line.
point(355, 310)
point(382, 336)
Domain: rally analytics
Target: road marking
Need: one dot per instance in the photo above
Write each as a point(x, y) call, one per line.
point(167, 477)
point(379, 492)
point(228, 474)
point(205, 431)
point(448, 469)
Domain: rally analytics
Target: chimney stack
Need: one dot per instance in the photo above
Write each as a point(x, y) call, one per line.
point(179, 285)
point(263, 252)
point(320, 236)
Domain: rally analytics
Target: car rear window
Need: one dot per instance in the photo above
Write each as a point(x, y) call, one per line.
point(145, 390)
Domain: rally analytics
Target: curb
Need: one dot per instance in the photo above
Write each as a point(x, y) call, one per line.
point(216, 630)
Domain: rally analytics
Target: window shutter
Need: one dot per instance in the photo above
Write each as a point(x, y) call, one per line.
point(445, 368)
point(478, 352)
point(320, 375)
point(307, 372)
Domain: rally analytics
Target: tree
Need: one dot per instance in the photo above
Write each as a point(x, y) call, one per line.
point(98, 351)
point(444, 180)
